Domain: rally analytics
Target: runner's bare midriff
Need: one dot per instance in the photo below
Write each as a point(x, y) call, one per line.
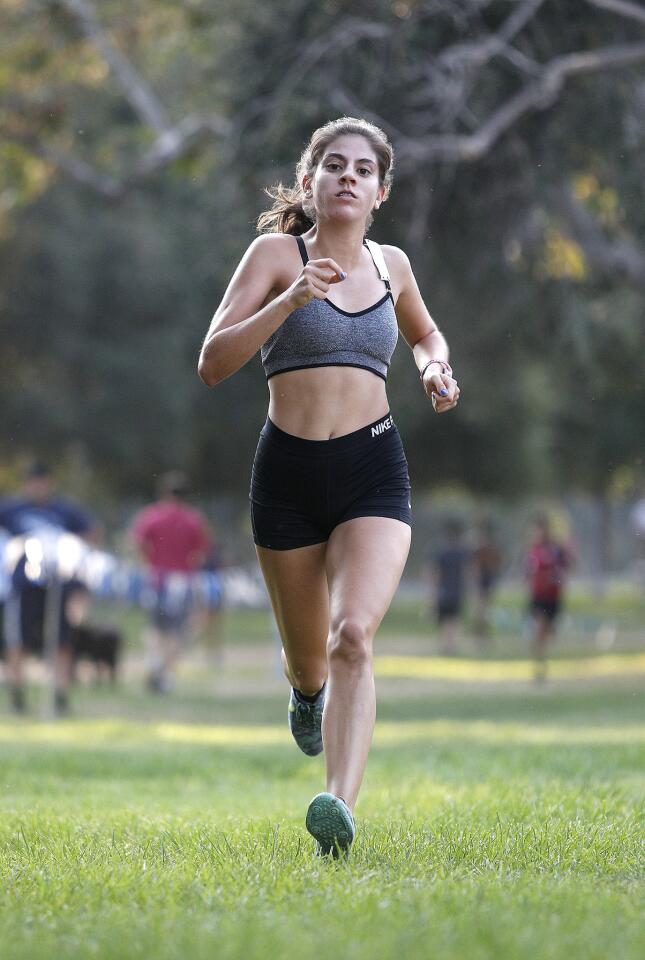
point(321, 403)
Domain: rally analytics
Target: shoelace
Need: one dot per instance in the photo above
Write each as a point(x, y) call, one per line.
point(306, 713)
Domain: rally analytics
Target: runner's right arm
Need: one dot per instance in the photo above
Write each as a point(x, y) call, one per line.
point(241, 324)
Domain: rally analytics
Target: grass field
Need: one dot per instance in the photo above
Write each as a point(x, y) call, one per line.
point(498, 820)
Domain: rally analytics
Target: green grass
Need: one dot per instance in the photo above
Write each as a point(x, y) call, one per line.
point(500, 825)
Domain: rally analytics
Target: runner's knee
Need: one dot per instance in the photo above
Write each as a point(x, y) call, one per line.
point(350, 640)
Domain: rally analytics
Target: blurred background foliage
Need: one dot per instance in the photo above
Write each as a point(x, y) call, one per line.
point(135, 143)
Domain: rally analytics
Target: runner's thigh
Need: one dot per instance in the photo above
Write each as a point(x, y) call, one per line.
point(365, 560)
point(297, 584)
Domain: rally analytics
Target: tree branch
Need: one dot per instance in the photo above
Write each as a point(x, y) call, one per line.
point(343, 36)
point(169, 147)
point(448, 77)
point(75, 168)
point(174, 143)
point(481, 51)
point(543, 86)
point(537, 95)
point(171, 142)
point(344, 101)
point(138, 93)
point(623, 7)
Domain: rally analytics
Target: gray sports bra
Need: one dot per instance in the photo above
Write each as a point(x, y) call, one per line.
point(320, 334)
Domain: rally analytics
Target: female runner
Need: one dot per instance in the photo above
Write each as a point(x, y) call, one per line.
point(330, 493)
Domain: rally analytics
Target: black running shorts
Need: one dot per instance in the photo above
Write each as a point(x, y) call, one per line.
point(547, 607)
point(302, 489)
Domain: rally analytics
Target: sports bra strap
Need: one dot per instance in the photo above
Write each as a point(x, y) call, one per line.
point(379, 261)
point(303, 250)
point(374, 250)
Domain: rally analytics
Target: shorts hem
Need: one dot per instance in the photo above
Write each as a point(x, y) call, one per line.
point(387, 515)
point(290, 546)
point(312, 542)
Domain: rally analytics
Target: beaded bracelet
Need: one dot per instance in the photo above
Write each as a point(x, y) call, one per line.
point(445, 368)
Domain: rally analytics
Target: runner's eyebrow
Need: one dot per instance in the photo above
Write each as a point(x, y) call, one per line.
point(339, 156)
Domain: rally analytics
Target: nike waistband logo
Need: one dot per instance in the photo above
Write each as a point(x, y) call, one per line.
point(382, 426)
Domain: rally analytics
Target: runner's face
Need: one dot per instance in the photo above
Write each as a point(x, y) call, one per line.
point(346, 183)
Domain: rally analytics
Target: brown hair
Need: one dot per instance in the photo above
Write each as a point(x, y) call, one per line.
point(294, 213)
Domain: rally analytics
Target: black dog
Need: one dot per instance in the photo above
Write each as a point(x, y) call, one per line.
point(101, 646)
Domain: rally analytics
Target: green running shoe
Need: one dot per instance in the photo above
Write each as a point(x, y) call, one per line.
point(305, 722)
point(331, 824)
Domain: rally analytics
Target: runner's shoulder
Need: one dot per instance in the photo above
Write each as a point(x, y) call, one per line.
point(395, 256)
point(398, 264)
point(274, 244)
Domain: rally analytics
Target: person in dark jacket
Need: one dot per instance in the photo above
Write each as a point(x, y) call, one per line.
point(38, 513)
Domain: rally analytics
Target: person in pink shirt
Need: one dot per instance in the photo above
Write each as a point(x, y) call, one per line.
point(172, 538)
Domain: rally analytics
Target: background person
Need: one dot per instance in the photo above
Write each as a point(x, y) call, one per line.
point(330, 490)
point(547, 562)
point(450, 566)
point(486, 567)
point(172, 538)
point(38, 511)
